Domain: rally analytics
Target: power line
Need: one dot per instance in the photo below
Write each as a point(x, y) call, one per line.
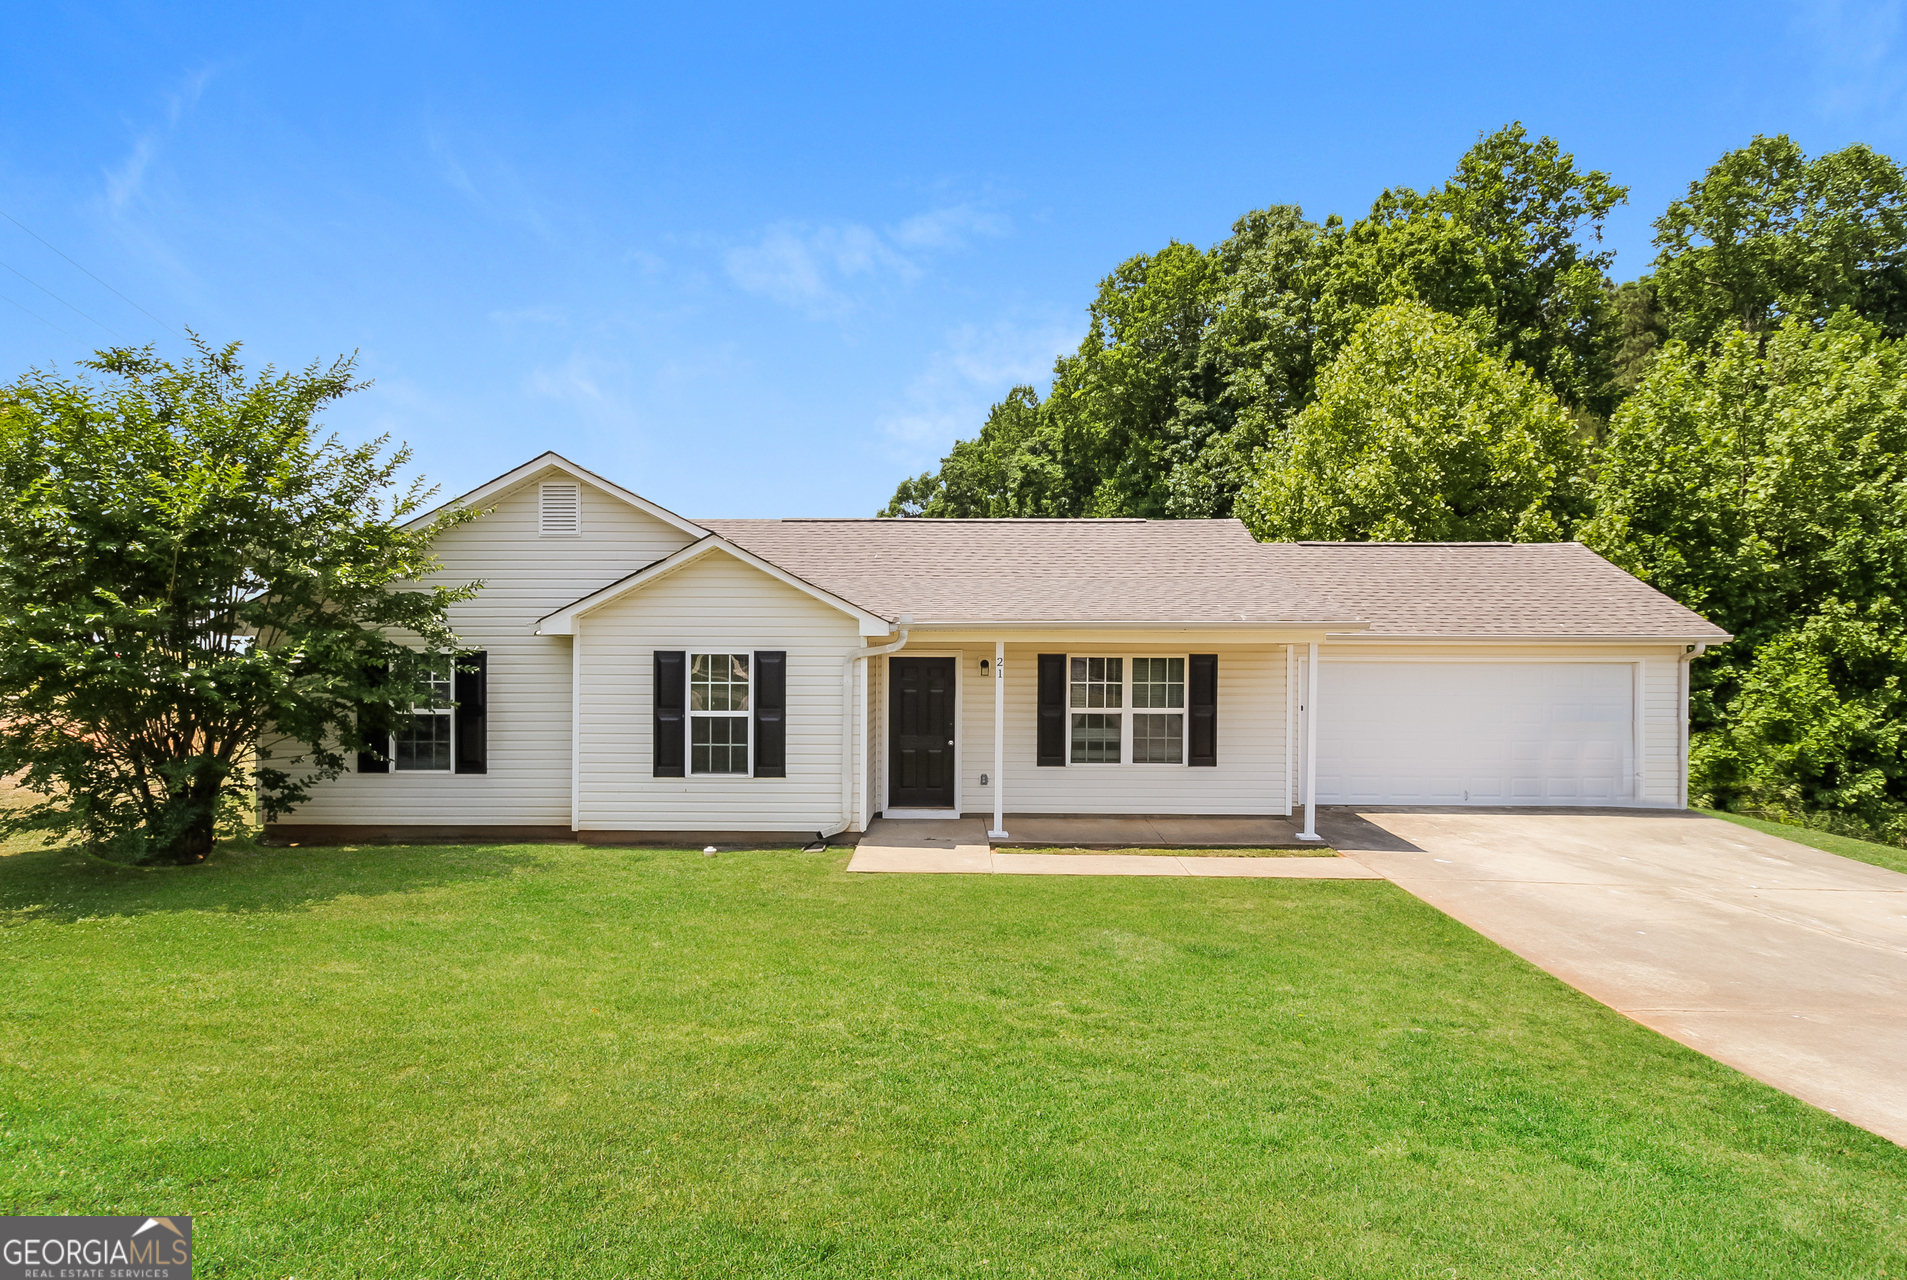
point(42, 319)
point(62, 301)
point(122, 297)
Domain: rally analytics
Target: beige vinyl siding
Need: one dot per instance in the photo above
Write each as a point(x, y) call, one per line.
point(1249, 779)
point(715, 604)
point(526, 576)
point(874, 719)
point(1661, 734)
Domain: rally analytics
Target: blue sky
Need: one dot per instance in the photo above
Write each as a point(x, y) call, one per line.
point(759, 261)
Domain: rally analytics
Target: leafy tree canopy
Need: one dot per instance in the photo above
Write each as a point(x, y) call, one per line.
point(1752, 485)
point(1818, 729)
point(185, 569)
point(1766, 487)
point(1769, 235)
point(1419, 434)
point(1194, 360)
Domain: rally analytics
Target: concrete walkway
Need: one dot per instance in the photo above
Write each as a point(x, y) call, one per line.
point(1784, 962)
point(959, 846)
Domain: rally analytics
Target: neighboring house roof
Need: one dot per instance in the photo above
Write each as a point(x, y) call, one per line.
point(1007, 572)
point(556, 462)
point(1485, 589)
point(1213, 572)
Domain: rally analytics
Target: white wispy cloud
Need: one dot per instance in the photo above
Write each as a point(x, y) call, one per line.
point(578, 382)
point(818, 268)
point(531, 315)
point(125, 181)
point(950, 228)
point(948, 399)
point(1857, 54)
point(490, 182)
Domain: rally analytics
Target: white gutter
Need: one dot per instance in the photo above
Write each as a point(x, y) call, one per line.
point(848, 660)
point(1341, 626)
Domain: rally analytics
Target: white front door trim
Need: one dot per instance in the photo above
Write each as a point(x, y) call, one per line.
point(960, 739)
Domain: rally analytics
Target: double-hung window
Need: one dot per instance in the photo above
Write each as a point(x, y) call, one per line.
point(718, 713)
point(1127, 709)
point(1158, 730)
point(422, 741)
point(1099, 687)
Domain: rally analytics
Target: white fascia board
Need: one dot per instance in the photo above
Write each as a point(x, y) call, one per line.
point(1547, 637)
point(563, 621)
point(556, 461)
point(1191, 624)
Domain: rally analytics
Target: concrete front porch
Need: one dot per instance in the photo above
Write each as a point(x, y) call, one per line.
point(1163, 831)
point(960, 846)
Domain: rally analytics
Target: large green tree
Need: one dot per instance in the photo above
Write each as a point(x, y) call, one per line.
point(1507, 242)
point(188, 572)
point(1818, 727)
point(1768, 235)
point(1765, 486)
point(1419, 434)
point(1194, 360)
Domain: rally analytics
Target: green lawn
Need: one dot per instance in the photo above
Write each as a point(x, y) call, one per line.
point(1880, 855)
point(538, 1061)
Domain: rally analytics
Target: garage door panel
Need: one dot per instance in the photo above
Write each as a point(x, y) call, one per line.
point(1476, 733)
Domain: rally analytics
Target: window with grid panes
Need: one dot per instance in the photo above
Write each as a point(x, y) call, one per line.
point(1158, 737)
point(1098, 689)
point(422, 741)
point(718, 713)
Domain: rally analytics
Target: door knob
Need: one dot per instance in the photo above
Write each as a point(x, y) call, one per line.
point(950, 742)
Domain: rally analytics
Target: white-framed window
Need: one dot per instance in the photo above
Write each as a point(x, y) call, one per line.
point(560, 510)
point(1126, 710)
point(422, 741)
point(718, 713)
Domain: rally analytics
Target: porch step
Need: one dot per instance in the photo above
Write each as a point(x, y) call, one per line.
point(961, 847)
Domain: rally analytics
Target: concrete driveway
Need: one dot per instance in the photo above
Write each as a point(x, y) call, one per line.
point(1784, 962)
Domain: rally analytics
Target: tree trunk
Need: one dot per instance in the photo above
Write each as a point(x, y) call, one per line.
point(185, 831)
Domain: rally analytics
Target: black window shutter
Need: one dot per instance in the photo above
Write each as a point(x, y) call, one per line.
point(1201, 702)
point(671, 717)
point(771, 714)
point(473, 713)
point(374, 723)
point(1052, 731)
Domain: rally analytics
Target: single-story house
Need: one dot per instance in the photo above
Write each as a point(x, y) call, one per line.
point(645, 677)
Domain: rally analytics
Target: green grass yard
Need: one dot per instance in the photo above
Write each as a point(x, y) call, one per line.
point(583, 1061)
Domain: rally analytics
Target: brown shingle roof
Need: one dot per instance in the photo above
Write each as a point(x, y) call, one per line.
point(1140, 571)
point(1483, 589)
point(1161, 571)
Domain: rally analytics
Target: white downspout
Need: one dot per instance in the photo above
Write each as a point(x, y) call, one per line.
point(848, 660)
point(1310, 831)
point(999, 741)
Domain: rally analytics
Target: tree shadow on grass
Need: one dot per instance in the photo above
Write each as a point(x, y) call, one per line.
point(66, 883)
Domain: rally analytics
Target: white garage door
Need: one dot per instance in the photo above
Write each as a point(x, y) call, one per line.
point(1476, 733)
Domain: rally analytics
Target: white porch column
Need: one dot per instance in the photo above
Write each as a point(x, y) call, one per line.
point(1310, 831)
point(999, 741)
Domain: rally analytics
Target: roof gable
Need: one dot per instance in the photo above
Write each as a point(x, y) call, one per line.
point(534, 469)
point(563, 621)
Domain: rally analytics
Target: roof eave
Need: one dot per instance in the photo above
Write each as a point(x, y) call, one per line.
point(1348, 626)
point(1539, 637)
point(562, 622)
point(542, 462)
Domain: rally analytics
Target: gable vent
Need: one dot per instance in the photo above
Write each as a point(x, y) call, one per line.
point(562, 511)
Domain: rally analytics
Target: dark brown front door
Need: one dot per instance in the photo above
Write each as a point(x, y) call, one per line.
point(920, 733)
